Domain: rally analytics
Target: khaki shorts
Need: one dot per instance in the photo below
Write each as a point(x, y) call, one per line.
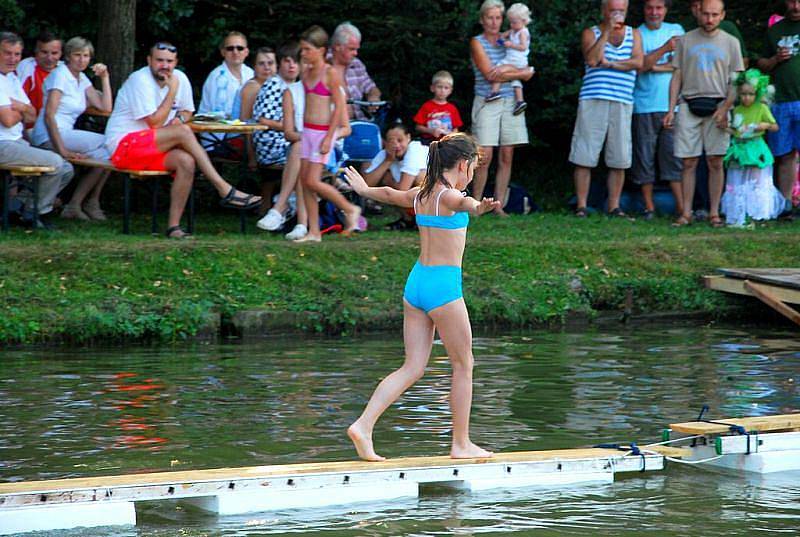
point(694, 134)
point(602, 122)
point(494, 124)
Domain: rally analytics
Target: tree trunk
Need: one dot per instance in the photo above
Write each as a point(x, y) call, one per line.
point(116, 38)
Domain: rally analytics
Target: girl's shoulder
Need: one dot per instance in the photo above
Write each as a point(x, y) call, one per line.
point(251, 86)
point(332, 74)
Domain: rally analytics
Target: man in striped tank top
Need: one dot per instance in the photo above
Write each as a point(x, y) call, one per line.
point(613, 54)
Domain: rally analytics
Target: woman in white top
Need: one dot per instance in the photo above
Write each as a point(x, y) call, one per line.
point(67, 93)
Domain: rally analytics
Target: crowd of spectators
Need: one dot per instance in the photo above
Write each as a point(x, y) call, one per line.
point(655, 100)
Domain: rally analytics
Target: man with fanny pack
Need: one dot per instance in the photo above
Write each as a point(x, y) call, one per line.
point(705, 60)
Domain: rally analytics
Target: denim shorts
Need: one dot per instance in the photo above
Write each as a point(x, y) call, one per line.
point(787, 139)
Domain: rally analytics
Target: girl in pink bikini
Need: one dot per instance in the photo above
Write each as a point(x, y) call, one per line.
point(325, 112)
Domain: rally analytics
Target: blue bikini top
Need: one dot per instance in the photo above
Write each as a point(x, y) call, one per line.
point(455, 221)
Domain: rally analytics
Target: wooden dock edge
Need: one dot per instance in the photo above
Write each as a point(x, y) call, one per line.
point(736, 286)
point(774, 296)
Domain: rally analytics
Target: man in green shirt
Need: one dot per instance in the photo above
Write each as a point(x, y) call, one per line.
point(783, 64)
point(729, 27)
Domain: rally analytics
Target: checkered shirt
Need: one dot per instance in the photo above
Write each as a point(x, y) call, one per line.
point(270, 145)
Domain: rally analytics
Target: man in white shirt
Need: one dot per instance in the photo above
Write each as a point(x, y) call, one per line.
point(147, 131)
point(222, 86)
point(33, 71)
point(15, 110)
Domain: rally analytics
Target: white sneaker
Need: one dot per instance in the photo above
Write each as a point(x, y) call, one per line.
point(272, 220)
point(298, 232)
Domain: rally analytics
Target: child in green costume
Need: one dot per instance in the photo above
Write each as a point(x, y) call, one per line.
point(750, 192)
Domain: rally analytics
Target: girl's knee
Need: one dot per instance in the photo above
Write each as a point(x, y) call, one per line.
point(414, 372)
point(463, 362)
point(309, 183)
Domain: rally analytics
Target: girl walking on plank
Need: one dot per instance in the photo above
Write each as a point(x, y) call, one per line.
point(432, 299)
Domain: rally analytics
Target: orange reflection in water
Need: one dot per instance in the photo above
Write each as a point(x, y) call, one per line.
point(135, 395)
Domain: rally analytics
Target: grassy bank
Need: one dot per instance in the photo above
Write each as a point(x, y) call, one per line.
point(88, 282)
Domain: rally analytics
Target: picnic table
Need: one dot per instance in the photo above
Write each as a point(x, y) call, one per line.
point(226, 127)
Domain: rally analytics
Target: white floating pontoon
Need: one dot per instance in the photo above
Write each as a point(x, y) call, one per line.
point(762, 444)
point(108, 501)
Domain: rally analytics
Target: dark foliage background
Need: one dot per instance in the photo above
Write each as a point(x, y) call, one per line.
point(404, 44)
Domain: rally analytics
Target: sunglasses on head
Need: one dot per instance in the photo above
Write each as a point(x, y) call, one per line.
point(165, 46)
point(237, 48)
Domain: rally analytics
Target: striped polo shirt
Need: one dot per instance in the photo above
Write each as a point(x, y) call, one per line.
point(496, 53)
point(607, 84)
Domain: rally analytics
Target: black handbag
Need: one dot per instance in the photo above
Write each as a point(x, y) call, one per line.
point(704, 106)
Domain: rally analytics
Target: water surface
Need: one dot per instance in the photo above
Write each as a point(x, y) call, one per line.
point(100, 412)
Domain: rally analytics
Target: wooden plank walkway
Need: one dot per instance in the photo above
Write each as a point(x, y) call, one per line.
point(110, 500)
point(782, 277)
point(289, 470)
point(781, 422)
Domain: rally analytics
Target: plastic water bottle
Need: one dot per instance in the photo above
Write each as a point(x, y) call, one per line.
point(221, 97)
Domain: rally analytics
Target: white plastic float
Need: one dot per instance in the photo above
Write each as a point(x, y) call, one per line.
point(763, 445)
point(108, 501)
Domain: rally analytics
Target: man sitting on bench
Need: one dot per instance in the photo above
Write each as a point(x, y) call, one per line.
point(147, 131)
point(15, 110)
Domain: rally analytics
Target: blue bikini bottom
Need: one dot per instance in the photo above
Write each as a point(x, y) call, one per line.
point(429, 287)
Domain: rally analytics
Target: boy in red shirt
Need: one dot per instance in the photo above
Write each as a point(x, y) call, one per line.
point(438, 117)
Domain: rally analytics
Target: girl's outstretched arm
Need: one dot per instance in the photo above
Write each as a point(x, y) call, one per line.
point(382, 194)
point(474, 207)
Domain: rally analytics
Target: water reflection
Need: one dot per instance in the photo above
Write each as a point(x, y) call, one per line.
point(284, 401)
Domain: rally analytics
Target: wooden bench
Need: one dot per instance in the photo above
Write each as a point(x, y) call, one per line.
point(21, 171)
point(271, 172)
point(141, 175)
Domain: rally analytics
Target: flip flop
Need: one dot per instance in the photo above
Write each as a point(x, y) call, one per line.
point(232, 201)
point(177, 232)
point(681, 221)
point(616, 212)
point(716, 221)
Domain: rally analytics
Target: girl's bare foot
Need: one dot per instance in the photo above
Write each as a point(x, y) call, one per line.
point(469, 451)
point(363, 443)
point(308, 237)
point(351, 219)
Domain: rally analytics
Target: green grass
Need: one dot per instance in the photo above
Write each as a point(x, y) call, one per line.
point(88, 282)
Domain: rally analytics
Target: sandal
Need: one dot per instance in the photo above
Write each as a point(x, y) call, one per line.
point(617, 212)
point(716, 222)
point(581, 212)
point(177, 232)
point(245, 202)
point(682, 221)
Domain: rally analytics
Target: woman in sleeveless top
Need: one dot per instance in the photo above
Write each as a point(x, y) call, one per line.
point(432, 296)
point(494, 123)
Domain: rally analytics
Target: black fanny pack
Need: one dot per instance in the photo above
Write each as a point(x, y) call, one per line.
point(704, 106)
